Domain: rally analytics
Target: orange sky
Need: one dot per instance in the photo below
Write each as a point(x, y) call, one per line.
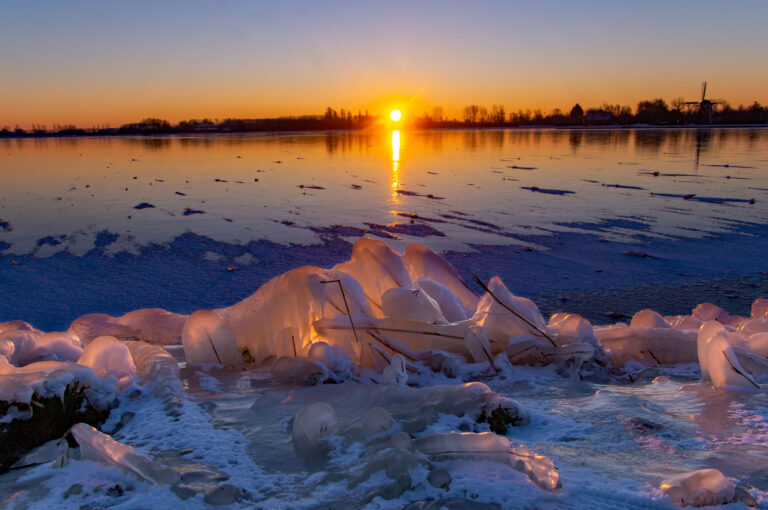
point(89, 63)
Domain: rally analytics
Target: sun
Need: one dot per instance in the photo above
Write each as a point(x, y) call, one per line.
point(395, 115)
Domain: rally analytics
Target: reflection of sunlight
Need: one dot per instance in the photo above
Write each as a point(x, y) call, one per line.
point(395, 165)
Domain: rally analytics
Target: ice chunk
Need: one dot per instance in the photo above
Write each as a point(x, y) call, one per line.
point(334, 358)
point(708, 330)
point(684, 322)
point(278, 319)
point(753, 326)
point(395, 373)
point(723, 366)
point(152, 325)
point(450, 305)
point(500, 324)
point(311, 426)
point(24, 349)
point(7, 348)
point(758, 344)
point(478, 345)
point(422, 262)
point(488, 446)
point(375, 422)
point(207, 338)
point(572, 328)
point(109, 357)
point(377, 268)
point(710, 312)
point(99, 447)
point(153, 363)
point(58, 346)
point(403, 303)
point(47, 452)
point(706, 487)
point(649, 346)
point(648, 319)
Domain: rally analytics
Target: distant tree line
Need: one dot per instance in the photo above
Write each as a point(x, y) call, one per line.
point(653, 112)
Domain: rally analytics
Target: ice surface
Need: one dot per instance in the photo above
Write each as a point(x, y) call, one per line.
point(152, 325)
point(109, 357)
point(207, 338)
point(705, 487)
point(422, 262)
point(377, 268)
point(100, 447)
point(489, 446)
point(412, 304)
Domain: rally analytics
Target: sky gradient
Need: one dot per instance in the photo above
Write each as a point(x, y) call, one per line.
point(89, 62)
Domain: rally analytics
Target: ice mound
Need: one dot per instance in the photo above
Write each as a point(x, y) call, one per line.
point(648, 319)
point(493, 313)
point(647, 345)
point(404, 303)
point(99, 447)
point(208, 339)
point(377, 268)
point(422, 263)
point(109, 357)
point(706, 487)
point(719, 359)
point(311, 426)
point(278, 319)
point(151, 325)
point(156, 365)
point(450, 305)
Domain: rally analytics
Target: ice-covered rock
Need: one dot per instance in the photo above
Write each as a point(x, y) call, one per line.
point(450, 305)
point(279, 318)
point(377, 268)
point(500, 324)
point(207, 338)
point(411, 304)
point(151, 325)
point(24, 350)
point(422, 262)
point(706, 487)
point(100, 447)
point(109, 357)
point(491, 447)
point(311, 426)
point(395, 373)
point(58, 346)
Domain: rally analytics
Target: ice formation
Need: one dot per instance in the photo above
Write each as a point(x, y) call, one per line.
point(99, 447)
point(151, 325)
point(109, 357)
point(706, 487)
point(208, 339)
point(311, 426)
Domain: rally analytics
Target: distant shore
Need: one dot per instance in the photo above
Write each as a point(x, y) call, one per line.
point(617, 127)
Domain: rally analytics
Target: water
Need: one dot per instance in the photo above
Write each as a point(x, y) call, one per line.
point(473, 187)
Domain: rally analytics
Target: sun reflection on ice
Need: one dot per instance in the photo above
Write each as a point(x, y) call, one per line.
point(395, 166)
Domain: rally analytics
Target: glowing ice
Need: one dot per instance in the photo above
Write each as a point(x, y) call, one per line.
point(207, 338)
point(706, 487)
point(403, 303)
point(311, 426)
point(109, 357)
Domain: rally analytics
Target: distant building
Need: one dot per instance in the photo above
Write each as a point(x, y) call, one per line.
point(597, 117)
point(206, 126)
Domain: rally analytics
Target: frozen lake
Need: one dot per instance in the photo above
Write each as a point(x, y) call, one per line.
point(598, 222)
point(121, 221)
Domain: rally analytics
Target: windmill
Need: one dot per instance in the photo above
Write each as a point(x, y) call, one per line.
point(706, 106)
